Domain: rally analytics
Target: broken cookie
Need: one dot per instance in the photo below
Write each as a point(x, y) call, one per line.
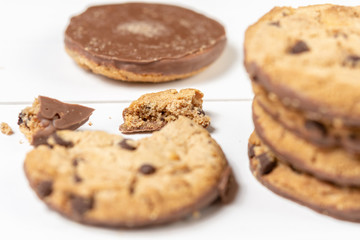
point(154, 110)
point(46, 115)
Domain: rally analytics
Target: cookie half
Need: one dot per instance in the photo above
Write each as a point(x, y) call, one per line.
point(314, 59)
point(152, 111)
point(102, 179)
point(323, 197)
point(334, 164)
point(142, 42)
point(46, 115)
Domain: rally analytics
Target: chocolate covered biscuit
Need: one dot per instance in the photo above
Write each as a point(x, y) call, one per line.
point(144, 42)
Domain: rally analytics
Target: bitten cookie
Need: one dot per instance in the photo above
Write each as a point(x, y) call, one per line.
point(324, 197)
point(46, 115)
point(152, 111)
point(141, 42)
point(310, 58)
point(102, 179)
point(334, 164)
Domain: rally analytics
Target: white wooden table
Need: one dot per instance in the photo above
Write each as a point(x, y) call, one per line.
point(33, 62)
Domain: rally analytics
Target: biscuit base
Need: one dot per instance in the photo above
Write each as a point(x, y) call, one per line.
point(123, 75)
point(326, 198)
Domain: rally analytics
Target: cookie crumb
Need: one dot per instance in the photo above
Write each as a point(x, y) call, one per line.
point(6, 129)
point(110, 117)
point(21, 141)
point(90, 124)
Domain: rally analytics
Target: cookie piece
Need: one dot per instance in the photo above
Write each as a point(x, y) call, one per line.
point(6, 129)
point(321, 132)
point(142, 42)
point(323, 197)
point(152, 111)
point(102, 179)
point(46, 115)
point(313, 62)
point(334, 164)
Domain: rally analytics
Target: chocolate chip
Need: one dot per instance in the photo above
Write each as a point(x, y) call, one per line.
point(20, 118)
point(251, 152)
point(125, 145)
point(200, 112)
point(315, 128)
point(352, 61)
point(80, 205)
point(275, 23)
point(44, 188)
point(267, 164)
point(147, 169)
point(77, 179)
point(299, 47)
point(76, 161)
point(62, 142)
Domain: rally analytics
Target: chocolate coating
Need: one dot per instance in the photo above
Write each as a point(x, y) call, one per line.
point(55, 115)
point(146, 38)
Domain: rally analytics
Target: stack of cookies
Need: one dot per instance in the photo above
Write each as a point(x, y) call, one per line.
point(304, 65)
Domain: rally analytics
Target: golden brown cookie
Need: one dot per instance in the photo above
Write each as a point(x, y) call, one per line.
point(102, 179)
point(323, 197)
point(331, 164)
point(309, 57)
point(152, 111)
point(142, 42)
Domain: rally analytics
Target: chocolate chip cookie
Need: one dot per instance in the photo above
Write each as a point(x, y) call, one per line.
point(106, 180)
point(152, 111)
point(282, 179)
point(46, 115)
point(330, 164)
point(313, 62)
point(143, 42)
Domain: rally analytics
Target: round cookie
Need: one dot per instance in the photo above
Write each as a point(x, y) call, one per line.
point(141, 42)
point(102, 179)
point(334, 165)
point(314, 59)
point(323, 197)
point(308, 126)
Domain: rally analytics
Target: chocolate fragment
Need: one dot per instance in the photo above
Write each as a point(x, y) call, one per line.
point(299, 47)
point(44, 189)
point(147, 169)
point(81, 205)
point(20, 118)
point(275, 23)
point(125, 145)
point(266, 164)
point(352, 61)
point(228, 186)
point(61, 141)
point(251, 152)
point(55, 115)
point(201, 112)
point(77, 178)
point(316, 128)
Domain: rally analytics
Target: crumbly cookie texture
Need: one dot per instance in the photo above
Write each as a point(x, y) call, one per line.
point(324, 197)
point(102, 179)
point(6, 129)
point(333, 164)
point(321, 132)
point(314, 58)
point(152, 111)
point(46, 115)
